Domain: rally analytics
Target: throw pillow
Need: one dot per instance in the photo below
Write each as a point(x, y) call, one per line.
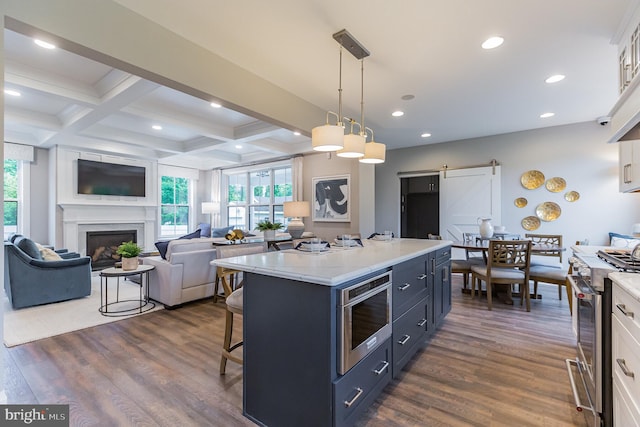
point(29, 247)
point(194, 235)
point(619, 242)
point(48, 254)
point(163, 245)
point(205, 230)
point(220, 232)
point(162, 248)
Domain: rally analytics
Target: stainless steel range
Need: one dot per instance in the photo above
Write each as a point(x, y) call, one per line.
point(590, 371)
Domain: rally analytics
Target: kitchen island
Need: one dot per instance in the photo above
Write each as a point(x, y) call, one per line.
point(294, 326)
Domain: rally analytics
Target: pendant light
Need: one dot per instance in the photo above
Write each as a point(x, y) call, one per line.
point(330, 137)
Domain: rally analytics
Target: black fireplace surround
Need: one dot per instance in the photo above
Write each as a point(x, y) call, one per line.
point(102, 246)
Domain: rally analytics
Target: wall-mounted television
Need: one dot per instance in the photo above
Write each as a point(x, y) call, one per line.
point(110, 179)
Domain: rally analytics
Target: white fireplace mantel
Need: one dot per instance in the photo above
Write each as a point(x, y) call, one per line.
point(77, 219)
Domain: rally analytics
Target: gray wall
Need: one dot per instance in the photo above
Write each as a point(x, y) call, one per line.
point(578, 153)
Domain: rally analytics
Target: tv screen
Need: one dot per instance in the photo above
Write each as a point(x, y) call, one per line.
point(110, 179)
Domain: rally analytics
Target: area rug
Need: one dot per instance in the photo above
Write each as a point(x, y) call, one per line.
point(34, 323)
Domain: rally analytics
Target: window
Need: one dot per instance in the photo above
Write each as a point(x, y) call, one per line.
point(10, 197)
point(257, 195)
point(175, 206)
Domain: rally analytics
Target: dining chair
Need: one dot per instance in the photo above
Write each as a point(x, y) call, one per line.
point(552, 273)
point(507, 263)
point(234, 296)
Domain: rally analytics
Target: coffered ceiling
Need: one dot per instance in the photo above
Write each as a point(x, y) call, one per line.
point(426, 51)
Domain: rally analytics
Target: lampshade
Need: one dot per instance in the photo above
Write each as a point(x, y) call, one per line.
point(354, 146)
point(327, 137)
point(210, 207)
point(297, 209)
point(374, 152)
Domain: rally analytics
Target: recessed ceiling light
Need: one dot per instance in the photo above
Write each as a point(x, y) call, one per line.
point(44, 44)
point(397, 113)
point(425, 135)
point(407, 97)
point(156, 127)
point(238, 146)
point(12, 92)
point(296, 133)
point(492, 42)
point(215, 105)
point(555, 78)
point(546, 115)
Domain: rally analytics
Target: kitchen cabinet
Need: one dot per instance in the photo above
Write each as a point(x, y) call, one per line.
point(412, 309)
point(629, 170)
point(420, 206)
point(625, 348)
point(441, 272)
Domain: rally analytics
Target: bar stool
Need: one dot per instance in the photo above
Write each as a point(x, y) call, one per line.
point(234, 301)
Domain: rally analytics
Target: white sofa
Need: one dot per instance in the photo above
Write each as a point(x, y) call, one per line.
point(186, 274)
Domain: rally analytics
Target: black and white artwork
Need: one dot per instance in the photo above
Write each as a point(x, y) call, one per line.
point(331, 198)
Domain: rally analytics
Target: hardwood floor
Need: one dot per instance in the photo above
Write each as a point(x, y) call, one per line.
point(500, 368)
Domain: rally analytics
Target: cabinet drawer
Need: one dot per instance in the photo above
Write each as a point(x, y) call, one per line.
point(627, 309)
point(443, 255)
point(626, 359)
point(355, 390)
point(625, 413)
point(409, 331)
point(409, 280)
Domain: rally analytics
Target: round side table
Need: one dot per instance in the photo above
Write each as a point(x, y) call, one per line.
point(119, 307)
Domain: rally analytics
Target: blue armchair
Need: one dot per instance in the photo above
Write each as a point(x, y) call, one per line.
point(29, 280)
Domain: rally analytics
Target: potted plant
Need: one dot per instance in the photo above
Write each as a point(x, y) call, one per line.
point(129, 252)
point(268, 228)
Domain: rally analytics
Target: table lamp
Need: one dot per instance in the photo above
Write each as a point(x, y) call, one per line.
point(212, 208)
point(296, 211)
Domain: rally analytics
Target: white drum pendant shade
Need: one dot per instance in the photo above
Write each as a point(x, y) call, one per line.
point(374, 152)
point(353, 146)
point(327, 138)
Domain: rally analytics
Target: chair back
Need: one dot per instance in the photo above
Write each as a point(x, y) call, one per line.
point(509, 254)
point(546, 239)
point(229, 277)
point(435, 237)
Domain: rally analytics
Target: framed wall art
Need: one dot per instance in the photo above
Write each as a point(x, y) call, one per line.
point(331, 196)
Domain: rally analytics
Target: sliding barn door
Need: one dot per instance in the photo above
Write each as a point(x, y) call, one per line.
point(465, 195)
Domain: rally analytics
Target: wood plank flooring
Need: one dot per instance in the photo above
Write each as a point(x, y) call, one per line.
point(500, 368)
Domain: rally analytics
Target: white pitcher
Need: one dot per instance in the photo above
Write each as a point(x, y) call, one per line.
point(486, 228)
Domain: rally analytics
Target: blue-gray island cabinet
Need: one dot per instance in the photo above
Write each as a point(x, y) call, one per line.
point(294, 321)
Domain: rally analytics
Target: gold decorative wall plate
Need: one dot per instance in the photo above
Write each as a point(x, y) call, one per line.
point(530, 223)
point(548, 211)
point(556, 184)
point(571, 196)
point(532, 179)
point(520, 202)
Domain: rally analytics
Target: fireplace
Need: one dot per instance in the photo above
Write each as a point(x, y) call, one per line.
point(102, 246)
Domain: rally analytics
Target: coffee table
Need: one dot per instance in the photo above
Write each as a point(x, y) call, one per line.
point(117, 307)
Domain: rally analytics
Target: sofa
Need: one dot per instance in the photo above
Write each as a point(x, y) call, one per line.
point(185, 273)
point(33, 279)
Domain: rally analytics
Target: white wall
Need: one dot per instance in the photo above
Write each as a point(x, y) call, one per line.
point(578, 153)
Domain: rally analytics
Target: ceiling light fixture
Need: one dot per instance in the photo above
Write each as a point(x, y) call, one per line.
point(492, 42)
point(425, 135)
point(296, 133)
point(331, 137)
point(215, 105)
point(156, 127)
point(547, 115)
point(12, 92)
point(397, 113)
point(555, 78)
point(44, 44)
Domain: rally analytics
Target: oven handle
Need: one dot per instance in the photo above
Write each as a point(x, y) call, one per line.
point(581, 292)
point(576, 398)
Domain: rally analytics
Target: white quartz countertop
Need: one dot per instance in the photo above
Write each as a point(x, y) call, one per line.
point(335, 266)
point(629, 281)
